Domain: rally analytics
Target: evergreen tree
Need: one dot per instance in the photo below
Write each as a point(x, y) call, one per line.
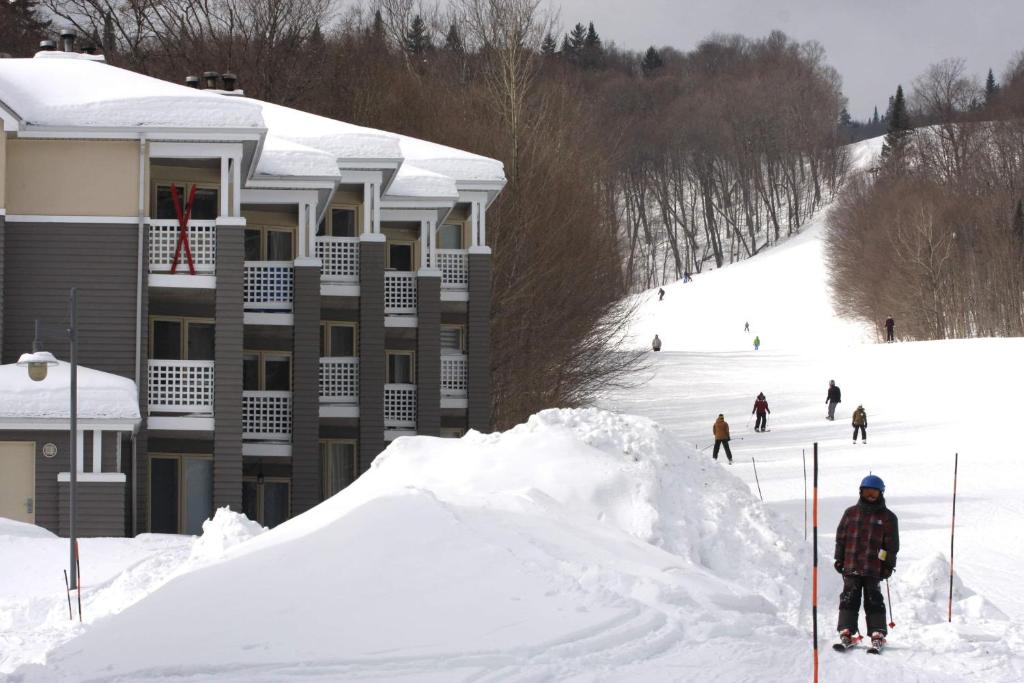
point(592, 41)
point(377, 34)
point(417, 39)
point(898, 136)
point(991, 87)
point(548, 47)
point(845, 120)
point(566, 48)
point(651, 61)
point(453, 41)
point(316, 39)
point(576, 38)
point(875, 119)
point(21, 27)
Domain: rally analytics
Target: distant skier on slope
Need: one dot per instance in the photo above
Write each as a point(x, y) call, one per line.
point(721, 431)
point(867, 541)
point(661, 293)
point(833, 397)
point(889, 325)
point(656, 343)
point(757, 343)
point(761, 409)
point(746, 327)
point(860, 421)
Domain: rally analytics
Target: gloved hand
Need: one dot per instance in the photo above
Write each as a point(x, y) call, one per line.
point(838, 564)
point(887, 569)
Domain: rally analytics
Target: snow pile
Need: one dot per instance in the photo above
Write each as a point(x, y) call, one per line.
point(924, 591)
point(101, 395)
point(13, 529)
point(283, 158)
point(76, 92)
point(553, 540)
point(226, 530)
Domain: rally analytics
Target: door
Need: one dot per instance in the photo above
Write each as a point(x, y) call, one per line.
point(18, 481)
point(180, 493)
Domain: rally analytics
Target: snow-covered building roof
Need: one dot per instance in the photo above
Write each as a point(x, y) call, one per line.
point(413, 182)
point(101, 395)
point(464, 167)
point(284, 158)
point(69, 92)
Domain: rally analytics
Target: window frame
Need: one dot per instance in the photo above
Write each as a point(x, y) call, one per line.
point(184, 322)
point(179, 457)
point(412, 365)
point(462, 339)
point(461, 225)
point(412, 244)
point(260, 511)
point(262, 356)
point(325, 338)
point(328, 221)
point(157, 184)
point(325, 453)
point(263, 229)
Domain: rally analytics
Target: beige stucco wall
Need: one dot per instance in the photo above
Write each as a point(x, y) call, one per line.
point(72, 177)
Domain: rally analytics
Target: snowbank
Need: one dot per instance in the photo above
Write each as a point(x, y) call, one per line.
point(14, 529)
point(226, 530)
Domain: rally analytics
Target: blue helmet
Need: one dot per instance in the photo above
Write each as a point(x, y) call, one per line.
point(873, 482)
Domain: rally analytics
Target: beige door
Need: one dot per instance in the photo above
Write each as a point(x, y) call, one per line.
point(18, 481)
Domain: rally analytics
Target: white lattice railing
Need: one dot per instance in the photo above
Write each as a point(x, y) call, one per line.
point(339, 257)
point(399, 293)
point(400, 405)
point(339, 379)
point(181, 386)
point(266, 414)
point(269, 285)
point(453, 375)
point(454, 265)
point(163, 240)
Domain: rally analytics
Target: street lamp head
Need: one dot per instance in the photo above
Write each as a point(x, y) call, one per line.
point(37, 362)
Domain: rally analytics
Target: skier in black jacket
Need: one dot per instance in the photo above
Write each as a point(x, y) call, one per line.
point(834, 396)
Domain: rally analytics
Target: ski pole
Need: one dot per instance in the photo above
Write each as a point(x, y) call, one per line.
point(814, 590)
point(952, 531)
point(67, 585)
point(892, 623)
point(756, 479)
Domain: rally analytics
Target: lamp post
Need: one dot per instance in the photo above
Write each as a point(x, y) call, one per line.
point(38, 362)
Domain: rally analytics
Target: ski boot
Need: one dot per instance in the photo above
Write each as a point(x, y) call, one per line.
point(877, 642)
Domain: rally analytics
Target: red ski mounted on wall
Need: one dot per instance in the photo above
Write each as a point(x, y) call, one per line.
point(183, 218)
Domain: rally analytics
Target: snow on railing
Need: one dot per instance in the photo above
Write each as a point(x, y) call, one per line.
point(454, 265)
point(266, 414)
point(399, 293)
point(453, 375)
point(180, 386)
point(339, 379)
point(339, 257)
point(400, 406)
point(269, 286)
point(163, 241)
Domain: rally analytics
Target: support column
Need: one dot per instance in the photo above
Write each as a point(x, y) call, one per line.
point(139, 468)
point(306, 477)
point(227, 397)
point(428, 353)
point(371, 348)
point(478, 340)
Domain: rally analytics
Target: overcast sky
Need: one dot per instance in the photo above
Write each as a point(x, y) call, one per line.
point(874, 44)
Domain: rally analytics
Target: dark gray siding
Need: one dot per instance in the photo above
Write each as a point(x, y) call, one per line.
point(99, 509)
point(3, 220)
point(371, 352)
point(227, 398)
point(478, 342)
point(306, 391)
point(428, 356)
point(137, 464)
point(42, 261)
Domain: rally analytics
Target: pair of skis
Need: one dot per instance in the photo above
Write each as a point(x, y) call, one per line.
point(874, 649)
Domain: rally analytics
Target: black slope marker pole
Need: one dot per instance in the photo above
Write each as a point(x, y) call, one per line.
point(814, 596)
point(952, 531)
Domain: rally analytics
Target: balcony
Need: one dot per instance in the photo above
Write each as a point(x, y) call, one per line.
point(163, 242)
point(454, 266)
point(399, 293)
point(399, 406)
point(453, 376)
point(339, 258)
point(181, 386)
point(269, 286)
point(267, 415)
point(339, 380)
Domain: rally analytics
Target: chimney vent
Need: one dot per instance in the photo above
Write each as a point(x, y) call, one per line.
point(211, 79)
point(88, 49)
point(67, 40)
point(192, 81)
point(47, 46)
point(230, 80)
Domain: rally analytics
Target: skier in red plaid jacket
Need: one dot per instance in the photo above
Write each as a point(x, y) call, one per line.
point(867, 541)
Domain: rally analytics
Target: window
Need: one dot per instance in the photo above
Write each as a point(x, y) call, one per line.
point(400, 367)
point(337, 339)
point(400, 255)
point(339, 222)
point(339, 462)
point(181, 339)
point(204, 206)
point(267, 500)
point(180, 493)
point(452, 338)
point(452, 432)
point(449, 236)
point(269, 244)
point(266, 371)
